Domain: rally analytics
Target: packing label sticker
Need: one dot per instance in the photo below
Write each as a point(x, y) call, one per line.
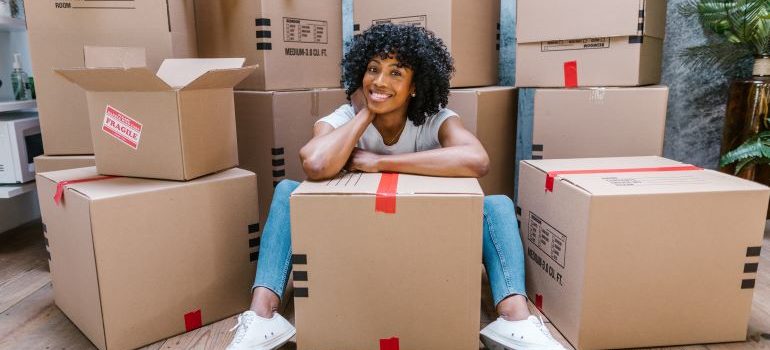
point(548, 239)
point(122, 127)
point(575, 44)
point(655, 180)
point(309, 31)
point(95, 4)
point(420, 21)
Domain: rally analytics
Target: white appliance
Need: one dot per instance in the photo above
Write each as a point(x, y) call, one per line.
point(20, 143)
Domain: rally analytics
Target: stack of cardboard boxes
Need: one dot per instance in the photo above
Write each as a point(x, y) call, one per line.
point(585, 84)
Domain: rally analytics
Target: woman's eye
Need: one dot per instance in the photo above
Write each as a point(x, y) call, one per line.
point(372, 69)
point(396, 73)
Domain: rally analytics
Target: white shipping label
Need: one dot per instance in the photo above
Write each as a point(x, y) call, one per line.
point(575, 44)
point(548, 239)
point(420, 21)
point(297, 30)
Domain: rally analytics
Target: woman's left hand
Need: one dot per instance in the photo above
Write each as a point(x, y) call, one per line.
point(364, 161)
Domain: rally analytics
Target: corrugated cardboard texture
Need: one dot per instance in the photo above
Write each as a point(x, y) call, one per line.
point(643, 251)
point(588, 19)
point(605, 122)
point(272, 127)
point(361, 264)
point(490, 113)
point(149, 252)
point(57, 36)
point(467, 27)
point(297, 44)
point(53, 163)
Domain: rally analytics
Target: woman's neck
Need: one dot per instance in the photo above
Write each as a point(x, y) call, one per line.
point(390, 125)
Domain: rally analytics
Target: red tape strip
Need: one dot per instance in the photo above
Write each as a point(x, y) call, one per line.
point(385, 201)
point(58, 197)
point(539, 302)
point(570, 74)
point(192, 320)
point(389, 344)
point(551, 175)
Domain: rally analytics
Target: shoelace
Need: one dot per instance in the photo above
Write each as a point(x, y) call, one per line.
point(541, 326)
point(241, 331)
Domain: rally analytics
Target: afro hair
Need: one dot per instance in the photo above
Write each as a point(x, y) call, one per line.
point(414, 47)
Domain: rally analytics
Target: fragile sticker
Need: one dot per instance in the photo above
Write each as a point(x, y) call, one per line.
point(122, 127)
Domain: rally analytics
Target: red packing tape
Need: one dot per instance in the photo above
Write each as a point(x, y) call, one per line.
point(385, 201)
point(570, 74)
point(192, 320)
point(389, 344)
point(539, 302)
point(59, 195)
point(551, 175)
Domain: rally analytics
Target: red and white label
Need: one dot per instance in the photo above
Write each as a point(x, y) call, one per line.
point(122, 127)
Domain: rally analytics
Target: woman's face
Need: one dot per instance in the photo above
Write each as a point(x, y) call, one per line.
point(387, 85)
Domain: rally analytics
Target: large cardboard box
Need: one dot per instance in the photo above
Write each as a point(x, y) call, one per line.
point(378, 256)
point(134, 261)
point(176, 125)
point(297, 45)
point(597, 42)
point(490, 113)
point(641, 251)
point(469, 28)
point(58, 32)
point(46, 163)
point(272, 127)
point(591, 122)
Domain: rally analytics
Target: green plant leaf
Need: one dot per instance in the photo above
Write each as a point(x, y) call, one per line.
point(755, 149)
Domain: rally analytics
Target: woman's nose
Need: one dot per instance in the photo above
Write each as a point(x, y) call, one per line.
point(379, 80)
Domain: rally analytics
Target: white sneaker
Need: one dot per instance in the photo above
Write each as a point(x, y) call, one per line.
point(259, 333)
point(529, 334)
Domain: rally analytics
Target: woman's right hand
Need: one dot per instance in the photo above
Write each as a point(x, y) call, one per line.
point(358, 100)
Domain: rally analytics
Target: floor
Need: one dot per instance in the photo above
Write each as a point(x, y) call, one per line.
point(30, 320)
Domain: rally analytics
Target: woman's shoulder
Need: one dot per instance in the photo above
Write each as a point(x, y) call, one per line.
point(340, 116)
point(437, 119)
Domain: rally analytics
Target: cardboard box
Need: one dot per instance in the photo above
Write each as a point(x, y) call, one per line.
point(134, 261)
point(591, 122)
point(620, 258)
point(469, 28)
point(58, 32)
point(597, 42)
point(387, 255)
point(272, 127)
point(176, 125)
point(298, 44)
point(490, 114)
point(47, 163)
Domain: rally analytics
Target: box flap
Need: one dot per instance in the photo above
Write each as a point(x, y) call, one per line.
point(368, 183)
point(220, 78)
point(178, 72)
point(114, 57)
point(649, 175)
point(122, 186)
point(114, 79)
point(586, 19)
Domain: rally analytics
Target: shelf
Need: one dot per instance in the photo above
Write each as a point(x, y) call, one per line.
point(9, 24)
point(10, 191)
point(6, 106)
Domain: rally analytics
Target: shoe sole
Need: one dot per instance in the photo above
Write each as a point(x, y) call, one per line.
point(277, 342)
point(493, 342)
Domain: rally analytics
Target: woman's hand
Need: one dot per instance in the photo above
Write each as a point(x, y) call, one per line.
point(364, 161)
point(358, 100)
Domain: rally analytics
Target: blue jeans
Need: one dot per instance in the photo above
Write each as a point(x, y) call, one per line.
point(503, 253)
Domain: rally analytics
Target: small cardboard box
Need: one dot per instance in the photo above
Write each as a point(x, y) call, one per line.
point(297, 45)
point(387, 255)
point(134, 261)
point(490, 114)
point(272, 127)
point(640, 251)
point(46, 163)
point(469, 28)
point(59, 31)
point(591, 122)
point(176, 125)
point(597, 42)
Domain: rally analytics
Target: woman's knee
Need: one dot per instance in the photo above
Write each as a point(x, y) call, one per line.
point(285, 188)
point(498, 204)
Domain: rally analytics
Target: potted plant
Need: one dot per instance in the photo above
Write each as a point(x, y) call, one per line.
point(739, 30)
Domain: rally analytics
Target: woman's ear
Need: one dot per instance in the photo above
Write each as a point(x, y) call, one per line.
point(413, 90)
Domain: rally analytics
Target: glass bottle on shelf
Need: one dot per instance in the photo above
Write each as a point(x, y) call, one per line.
point(19, 79)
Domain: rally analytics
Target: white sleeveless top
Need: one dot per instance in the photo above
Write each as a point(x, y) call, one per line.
point(412, 139)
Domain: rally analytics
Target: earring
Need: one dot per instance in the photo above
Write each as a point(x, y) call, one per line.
point(414, 94)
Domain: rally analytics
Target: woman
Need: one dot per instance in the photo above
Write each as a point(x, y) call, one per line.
point(397, 78)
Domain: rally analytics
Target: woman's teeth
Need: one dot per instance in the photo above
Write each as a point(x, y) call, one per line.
point(378, 96)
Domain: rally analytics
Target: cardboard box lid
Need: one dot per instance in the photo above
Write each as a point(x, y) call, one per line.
point(638, 176)
point(588, 19)
point(124, 186)
point(368, 184)
point(173, 74)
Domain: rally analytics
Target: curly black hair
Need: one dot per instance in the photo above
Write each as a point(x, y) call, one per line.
point(414, 47)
